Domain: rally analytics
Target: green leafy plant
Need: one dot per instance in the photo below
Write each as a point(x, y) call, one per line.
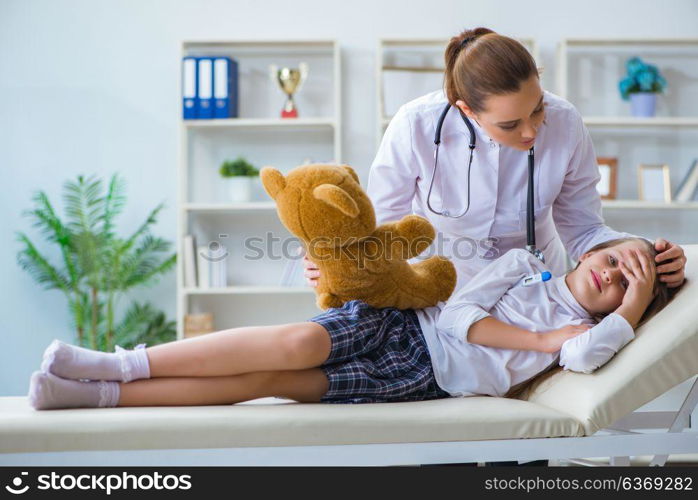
point(641, 78)
point(97, 266)
point(238, 167)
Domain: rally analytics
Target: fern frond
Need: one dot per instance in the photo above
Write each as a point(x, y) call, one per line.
point(31, 260)
point(87, 248)
point(114, 202)
point(55, 231)
point(79, 306)
point(145, 261)
point(142, 229)
point(148, 270)
point(133, 321)
point(144, 324)
point(83, 203)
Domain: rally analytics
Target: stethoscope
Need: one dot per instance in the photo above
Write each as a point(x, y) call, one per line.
point(530, 219)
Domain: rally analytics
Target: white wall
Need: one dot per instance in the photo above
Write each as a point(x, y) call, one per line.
point(70, 103)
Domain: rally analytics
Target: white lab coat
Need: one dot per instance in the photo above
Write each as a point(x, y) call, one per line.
point(464, 369)
point(567, 205)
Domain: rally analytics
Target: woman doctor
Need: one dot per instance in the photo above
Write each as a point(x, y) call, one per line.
point(480, 211)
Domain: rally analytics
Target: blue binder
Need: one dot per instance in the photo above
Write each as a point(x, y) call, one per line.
point(189, 94)
point(225, 87)
point(205, 87)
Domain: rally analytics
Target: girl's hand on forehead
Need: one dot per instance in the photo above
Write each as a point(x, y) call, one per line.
point(640, 273)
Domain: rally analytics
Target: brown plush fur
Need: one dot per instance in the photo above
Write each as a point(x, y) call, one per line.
point(326, 208)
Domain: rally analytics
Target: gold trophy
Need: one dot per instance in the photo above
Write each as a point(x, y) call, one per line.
point(290, 80)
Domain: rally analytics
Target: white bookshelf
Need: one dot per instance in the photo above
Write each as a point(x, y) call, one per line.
point(259, 123)
point(620, 121)
point(246, 290)
point(587, 74)
point(254, 295)
point(242, 207)
point(651, 205)
point(407, 68)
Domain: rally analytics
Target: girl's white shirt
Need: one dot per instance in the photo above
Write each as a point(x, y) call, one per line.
point(465, 369)
point(566, 173)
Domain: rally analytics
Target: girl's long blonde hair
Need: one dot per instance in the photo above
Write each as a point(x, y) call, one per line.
point(661, 299)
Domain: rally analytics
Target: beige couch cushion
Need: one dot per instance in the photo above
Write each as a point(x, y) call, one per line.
point(263, 424)
point(663, 354)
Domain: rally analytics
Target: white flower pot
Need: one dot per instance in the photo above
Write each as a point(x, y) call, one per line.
point(239, 188)
point(643, 104)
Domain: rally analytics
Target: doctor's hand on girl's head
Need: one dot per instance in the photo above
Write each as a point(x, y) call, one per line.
point(671, 262)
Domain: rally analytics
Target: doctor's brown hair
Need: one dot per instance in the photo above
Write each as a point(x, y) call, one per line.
point(663, 296)
point(480, 63)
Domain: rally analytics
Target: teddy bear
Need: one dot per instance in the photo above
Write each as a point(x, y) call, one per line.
point(326, 208)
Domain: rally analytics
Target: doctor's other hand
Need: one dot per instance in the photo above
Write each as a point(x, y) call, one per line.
point(310, 269)
point(552, 341)
point(672, 270)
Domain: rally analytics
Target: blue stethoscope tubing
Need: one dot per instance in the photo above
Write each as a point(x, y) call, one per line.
point(530, 218)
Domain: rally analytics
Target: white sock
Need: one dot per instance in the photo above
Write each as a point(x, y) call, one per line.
point(75, 362)
point(47, 391)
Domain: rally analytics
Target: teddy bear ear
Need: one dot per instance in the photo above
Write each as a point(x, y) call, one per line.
point(272, 180)
point(352, 172)
point(336, 197)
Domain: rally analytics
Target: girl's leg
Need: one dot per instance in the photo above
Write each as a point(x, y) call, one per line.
point(292, 346)
point(300, 385)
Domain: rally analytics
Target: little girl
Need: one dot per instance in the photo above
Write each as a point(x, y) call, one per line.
point(491, 335)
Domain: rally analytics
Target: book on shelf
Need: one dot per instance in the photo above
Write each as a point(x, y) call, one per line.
point(218, 277)
point(189, 93)
point(209, 88)
point(687, 188)
point(188, 253)
point(217, 257)
point(203, 267)
point(205, 87)
point(225, 87)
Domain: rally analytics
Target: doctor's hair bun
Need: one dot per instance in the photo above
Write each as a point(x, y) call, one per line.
point(480, 63)
point(465, 37)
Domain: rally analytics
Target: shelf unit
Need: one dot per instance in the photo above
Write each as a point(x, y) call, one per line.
point(653, 205)
point(257, 123)
point(231, 290)
point(412, 67)
point(588, 72)
point(253, 295)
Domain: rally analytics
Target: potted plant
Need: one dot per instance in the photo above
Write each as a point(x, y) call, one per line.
point(97, 267)
point(239, 174)
point(641, 86)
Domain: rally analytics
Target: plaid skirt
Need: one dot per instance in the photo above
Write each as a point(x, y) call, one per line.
point(377, 356)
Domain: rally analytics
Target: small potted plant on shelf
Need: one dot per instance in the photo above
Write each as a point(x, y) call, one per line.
point(641, 86)
point(240, 175)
